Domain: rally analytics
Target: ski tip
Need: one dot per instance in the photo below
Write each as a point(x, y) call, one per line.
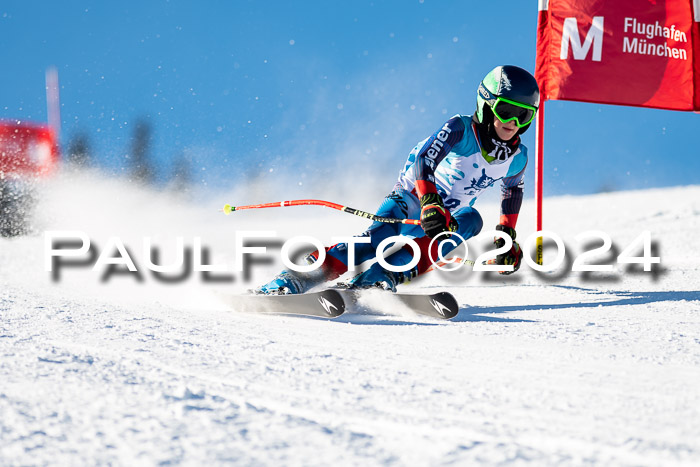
point(332, 301)
point(228, 209)
point(445, 304)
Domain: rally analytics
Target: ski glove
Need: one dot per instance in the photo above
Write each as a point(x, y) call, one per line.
point(512, 257)
point(434, 217)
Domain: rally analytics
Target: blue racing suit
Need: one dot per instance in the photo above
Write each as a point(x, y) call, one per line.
point(452, 163)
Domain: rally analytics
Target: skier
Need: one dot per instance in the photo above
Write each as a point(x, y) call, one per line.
point(440, 182)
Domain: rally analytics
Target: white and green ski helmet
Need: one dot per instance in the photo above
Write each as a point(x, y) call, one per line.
point(510, 82)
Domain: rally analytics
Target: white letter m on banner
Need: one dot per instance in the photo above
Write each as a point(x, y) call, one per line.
point(594, 36)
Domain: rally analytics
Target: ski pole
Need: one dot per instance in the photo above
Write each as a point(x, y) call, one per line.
point(456, 259)
point(228, 209)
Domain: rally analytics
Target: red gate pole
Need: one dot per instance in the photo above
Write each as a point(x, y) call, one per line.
point(539, 163)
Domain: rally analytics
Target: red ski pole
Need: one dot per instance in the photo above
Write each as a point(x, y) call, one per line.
point(228, 209)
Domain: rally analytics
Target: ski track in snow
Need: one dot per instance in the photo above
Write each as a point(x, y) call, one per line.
point(534, 370)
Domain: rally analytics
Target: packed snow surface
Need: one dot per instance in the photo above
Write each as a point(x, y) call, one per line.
point(566, 367)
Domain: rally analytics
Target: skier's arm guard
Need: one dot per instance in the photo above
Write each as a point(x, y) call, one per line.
point(511, 199)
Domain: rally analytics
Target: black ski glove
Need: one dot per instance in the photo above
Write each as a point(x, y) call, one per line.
point(512, 257)
point(434, 217)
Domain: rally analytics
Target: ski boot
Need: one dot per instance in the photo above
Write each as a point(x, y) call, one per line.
point(286, 282)
point(291, 282)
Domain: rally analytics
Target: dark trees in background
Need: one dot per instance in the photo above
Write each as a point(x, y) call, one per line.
point(181, 181)
point(78, 152)
point(140, 157)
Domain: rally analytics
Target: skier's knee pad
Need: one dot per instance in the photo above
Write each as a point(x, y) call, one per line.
point(399, 203)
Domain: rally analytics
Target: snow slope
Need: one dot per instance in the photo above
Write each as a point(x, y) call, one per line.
point(569, 368)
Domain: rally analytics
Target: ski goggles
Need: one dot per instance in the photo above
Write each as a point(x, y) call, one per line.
point(506, 110)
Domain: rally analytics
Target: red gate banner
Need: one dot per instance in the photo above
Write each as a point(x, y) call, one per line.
point(642, 53)
point(27, 149)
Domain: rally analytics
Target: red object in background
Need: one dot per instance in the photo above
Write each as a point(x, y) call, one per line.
point(643, 53)
point(27, 149)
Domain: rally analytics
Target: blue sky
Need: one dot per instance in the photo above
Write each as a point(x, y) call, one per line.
point(312, 90)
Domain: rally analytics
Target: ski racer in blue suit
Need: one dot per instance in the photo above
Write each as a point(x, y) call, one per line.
point(440, 182)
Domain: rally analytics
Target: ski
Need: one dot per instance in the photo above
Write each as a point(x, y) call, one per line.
point(325, 304)
point(440, 305)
